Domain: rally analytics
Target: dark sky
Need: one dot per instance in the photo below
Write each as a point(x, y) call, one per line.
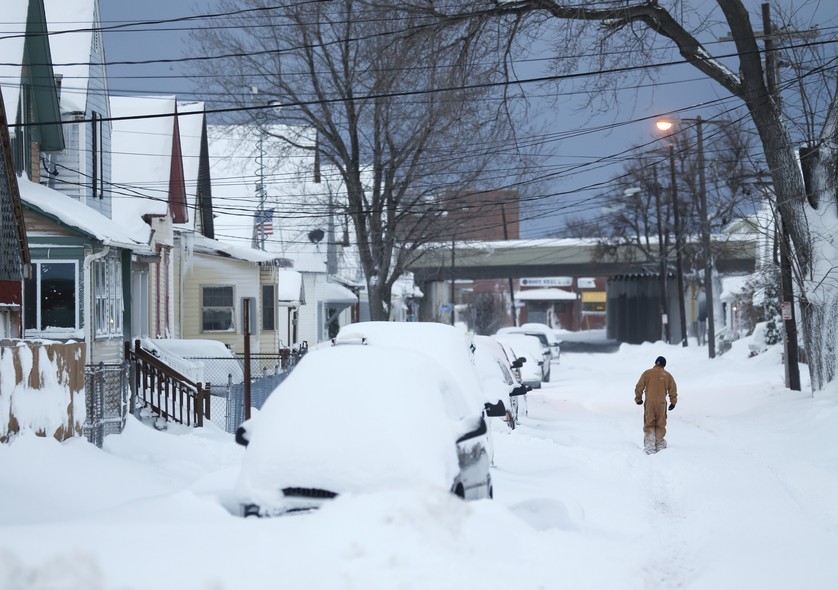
point(592, 142)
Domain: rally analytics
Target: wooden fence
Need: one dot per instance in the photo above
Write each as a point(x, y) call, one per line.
point(46, 393)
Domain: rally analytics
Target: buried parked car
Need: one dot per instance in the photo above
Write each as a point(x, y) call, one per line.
point(496, 371)
point(450, 347)
point(536, 368)
point(359, 418)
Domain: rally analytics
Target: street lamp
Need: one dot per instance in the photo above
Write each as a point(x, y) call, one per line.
point(666, 125)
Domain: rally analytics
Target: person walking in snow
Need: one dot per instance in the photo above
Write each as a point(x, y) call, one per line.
point(657, 383)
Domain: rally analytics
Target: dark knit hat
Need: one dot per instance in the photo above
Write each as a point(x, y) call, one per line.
point(660, 361)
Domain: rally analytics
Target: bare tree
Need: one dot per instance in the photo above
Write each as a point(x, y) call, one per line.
point(402, 108)
point(807, 207)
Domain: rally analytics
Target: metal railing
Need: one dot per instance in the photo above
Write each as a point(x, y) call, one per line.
point(166, 392)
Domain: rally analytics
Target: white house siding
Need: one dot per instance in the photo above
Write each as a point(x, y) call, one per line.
point(311, 315)
point(209, 271)
point(269, 340)
point(161, 280)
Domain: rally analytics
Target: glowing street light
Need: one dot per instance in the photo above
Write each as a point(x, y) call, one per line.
point(663, 124)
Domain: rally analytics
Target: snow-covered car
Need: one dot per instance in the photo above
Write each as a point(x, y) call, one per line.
point(526, 345)
point(533, 328)
point(366, 418)
point(496, 373)
point(451, 347)
point(544, 353)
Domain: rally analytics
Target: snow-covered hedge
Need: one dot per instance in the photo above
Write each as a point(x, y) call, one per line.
point(42, 388)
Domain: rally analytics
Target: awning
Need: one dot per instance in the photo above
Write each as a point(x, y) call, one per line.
point(547, 294)
point(290, 292)
point(335, 293)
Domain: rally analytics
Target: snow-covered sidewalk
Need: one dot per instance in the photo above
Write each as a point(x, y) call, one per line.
point(743, 498)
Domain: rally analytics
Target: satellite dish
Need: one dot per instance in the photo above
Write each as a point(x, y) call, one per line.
point(316, 235)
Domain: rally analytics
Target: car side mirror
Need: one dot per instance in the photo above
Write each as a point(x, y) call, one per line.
point(520, 390)
point(241, 436)
point(497, 410)
point(518, 362)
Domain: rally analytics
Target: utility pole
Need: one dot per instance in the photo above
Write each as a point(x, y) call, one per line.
point(511, 291)
point(453, 244)
point(679, 268)
point(789, 321)
point(705, 240)
point(662, 256)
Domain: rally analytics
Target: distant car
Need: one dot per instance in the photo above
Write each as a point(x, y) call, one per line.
point(532, 344)
point(549, 333)
point(365, 418)
point(546, 336)
point(496, 372)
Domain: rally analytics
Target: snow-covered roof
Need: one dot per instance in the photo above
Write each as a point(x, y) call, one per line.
point(206, 245)
point(290, 290)
point(191, 126)
point(11, 48)
point(335, 293)
point(74, 214)
point(733, 286)
point(71, 51)
point(546, 294)
point(142, 156)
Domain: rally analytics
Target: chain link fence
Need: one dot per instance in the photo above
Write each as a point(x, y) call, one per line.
point(226, 378)
point(107, 400)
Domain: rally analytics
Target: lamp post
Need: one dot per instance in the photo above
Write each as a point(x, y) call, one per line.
point(666, 125)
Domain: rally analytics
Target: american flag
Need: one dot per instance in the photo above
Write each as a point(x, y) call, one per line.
point(263, 221)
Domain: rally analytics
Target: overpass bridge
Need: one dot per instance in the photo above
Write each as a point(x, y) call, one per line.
point(474, 260)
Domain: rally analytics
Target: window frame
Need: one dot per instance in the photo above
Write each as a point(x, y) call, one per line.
point(269, 310)
point(36, 277)
point(232, 309)
point(108, 304)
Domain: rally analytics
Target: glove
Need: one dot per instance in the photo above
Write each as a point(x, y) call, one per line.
point(671, 407)
point(639, 402)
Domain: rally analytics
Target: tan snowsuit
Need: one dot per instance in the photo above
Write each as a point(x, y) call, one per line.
point(657, 383)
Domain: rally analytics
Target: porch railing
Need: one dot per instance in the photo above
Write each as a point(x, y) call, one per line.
point(166, 392)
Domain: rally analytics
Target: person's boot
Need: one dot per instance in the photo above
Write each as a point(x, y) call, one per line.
point(660, 445)
point(649, 444)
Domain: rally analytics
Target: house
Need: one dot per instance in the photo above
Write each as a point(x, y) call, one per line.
point(271, 200)
point(78, 255)
point(150, 191)
point(83, 169)
point(14, 249)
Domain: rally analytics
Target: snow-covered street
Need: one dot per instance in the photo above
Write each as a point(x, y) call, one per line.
point(743, 498)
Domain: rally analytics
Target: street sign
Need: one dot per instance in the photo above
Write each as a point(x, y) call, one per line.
point(786, 310)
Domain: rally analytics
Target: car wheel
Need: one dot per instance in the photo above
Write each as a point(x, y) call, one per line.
point(491, 489)
point(460, 491)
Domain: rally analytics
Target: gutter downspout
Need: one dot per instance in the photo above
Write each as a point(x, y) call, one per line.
point(88, 298)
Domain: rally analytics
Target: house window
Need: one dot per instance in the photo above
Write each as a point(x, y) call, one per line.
point(217, 310)
point(51, 297)
point(107, 293)
point(97, 178)
point(268, 307)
